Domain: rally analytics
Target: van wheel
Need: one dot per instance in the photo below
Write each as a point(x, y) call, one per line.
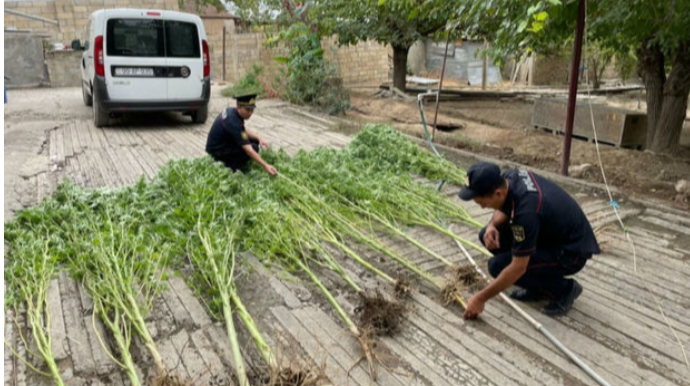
point(100, 117)
point(88, 99)
point(200, 115)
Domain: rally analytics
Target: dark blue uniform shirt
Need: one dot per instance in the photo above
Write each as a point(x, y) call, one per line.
point(227, 135)
point(544, 216)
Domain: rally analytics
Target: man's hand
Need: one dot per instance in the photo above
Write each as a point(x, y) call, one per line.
point(475, 306)
point(492, 238)
point(264, 145)
point(270, 170)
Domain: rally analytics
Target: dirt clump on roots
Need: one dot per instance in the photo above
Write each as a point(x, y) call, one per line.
point(460, 279)
point(292, 376)
point(402, 289)
point(379, 315)
point(170, 380)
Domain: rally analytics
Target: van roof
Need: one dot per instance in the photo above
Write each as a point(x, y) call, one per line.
point(141, 12)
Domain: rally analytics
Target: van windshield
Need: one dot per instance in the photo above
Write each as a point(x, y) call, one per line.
point(152, 38)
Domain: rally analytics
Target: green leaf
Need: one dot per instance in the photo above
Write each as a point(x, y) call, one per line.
point(555, 2)
point(281, 59)
point(382, 2)
point(522, 26)
point(413, 14)
point(541, 16)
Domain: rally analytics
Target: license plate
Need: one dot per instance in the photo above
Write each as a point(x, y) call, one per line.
point(133, 71)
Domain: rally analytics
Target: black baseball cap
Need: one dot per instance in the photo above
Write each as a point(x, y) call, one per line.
point(482, 178)
point(247, 100)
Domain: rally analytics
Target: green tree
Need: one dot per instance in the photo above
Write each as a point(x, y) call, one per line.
point(399, 23)
point(657, 30)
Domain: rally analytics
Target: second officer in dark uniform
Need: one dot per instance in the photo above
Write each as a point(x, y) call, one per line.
point(231, 143)
point(538, 235)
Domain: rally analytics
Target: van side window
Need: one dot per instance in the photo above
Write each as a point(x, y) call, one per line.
point(182, 39)
point(135, 37)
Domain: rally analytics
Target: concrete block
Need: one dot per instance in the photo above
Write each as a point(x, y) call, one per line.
point(59, 345)
point(79, 345)
point(95, 329)
point(193, 362)
point(219, 373)
point(190, 303)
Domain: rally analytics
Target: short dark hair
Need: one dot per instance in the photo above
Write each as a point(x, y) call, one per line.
point(501, 185)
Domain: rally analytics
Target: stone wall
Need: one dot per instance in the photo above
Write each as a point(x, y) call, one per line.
point(363, 64)
point(71, 15)
point(63, 68)
point(24, 60)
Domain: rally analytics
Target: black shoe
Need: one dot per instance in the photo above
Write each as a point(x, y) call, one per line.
point(561, 306)
point(525, 295)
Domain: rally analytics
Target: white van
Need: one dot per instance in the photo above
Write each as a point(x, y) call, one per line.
point(145, 60)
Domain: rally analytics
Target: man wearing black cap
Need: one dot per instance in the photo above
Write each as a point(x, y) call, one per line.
point(538, 235)
point(233, 145)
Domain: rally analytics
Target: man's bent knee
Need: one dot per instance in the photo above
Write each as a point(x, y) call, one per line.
point(496, 265)
point(481, 236)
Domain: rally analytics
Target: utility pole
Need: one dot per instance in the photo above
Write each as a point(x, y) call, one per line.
point(572, 93)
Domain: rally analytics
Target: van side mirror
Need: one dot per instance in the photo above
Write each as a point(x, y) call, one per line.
point(76, 45)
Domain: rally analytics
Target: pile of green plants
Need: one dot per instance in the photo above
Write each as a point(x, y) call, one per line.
point(325, 205)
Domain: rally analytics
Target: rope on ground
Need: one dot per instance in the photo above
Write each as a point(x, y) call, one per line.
point(616, 207)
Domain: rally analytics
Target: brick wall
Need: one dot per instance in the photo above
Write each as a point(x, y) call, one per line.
point(363, 64)
point(72, 15)
point(63, 68)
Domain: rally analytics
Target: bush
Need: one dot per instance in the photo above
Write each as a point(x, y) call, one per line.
point(309, 78)
point(249, 84)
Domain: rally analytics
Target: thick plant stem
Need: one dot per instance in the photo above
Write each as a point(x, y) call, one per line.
point(143, 331)
point(361, 261)
point(455, 237)
point(234, 342)
point(248, 321)
point(343, 315)
point(413, 241)
point(123, 345)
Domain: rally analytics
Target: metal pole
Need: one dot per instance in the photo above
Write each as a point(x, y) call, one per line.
point(572, 93)
point(223, 51)
point(440, 86)
point(26, 15)
point(485, 65)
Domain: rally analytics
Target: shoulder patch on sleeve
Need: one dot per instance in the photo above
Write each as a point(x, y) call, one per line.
point(518, 233)
point(245, 136)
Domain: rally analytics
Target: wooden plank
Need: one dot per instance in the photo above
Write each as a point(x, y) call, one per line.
point(334, 370)
point(666, 224)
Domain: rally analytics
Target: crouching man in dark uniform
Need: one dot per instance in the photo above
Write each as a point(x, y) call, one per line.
point(233, 145)
point(538, 235)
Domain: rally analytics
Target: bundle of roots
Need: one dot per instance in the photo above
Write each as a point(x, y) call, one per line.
point(460, 279)
point(379, 315)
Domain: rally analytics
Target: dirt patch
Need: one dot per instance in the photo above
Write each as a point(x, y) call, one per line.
point(379, 314)
point(501, 129)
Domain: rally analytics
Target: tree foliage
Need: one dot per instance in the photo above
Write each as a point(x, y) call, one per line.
point(657, 31)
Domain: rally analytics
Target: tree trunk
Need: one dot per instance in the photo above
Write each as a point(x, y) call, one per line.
point(400, 67)
point(651, 70)
point(670, 123)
